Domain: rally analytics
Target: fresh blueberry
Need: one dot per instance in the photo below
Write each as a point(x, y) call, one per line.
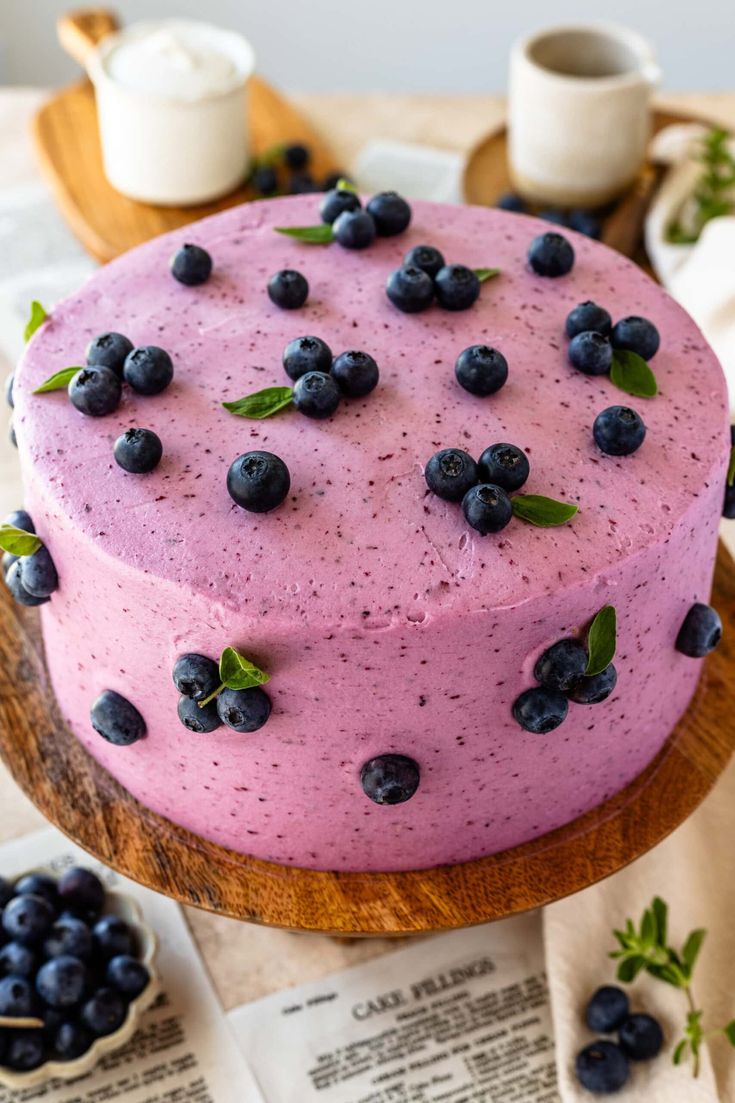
point(701, 631)
point(596, 688)
point(425, 257)
point(584, 222)
point(16, 997)
point(19, 519)
point(26, 1050)
point(297, 156)
point(481, 370)
point(619, 431)
point(104, 1012)
point(504, 465)
point(550, 254)
point(196, 676)
point(354, 229)
point(81, 891)
point(301, 183)
point(71, 1040)
point(640, 1037)
point(244, 710)
point(552, 214)
point(112, 936)
point(410, 289)
point(258, 481)
point(127, 975)
point(602, 1067)
point(200, 720)
point(38, 573)
point(728, 508)
point(336, 201)
point(305, 354)
point(69, 935)
point(540, 710)
point(511, 202)
point(95, 391)
point(116, 719)
point(391, 213)
point(607, 1009)
point(487, 508)
point(17, 959)
point(148, 369)
point(588, 317)
point(265, 180)
point(109, 350)
point(561, 665)
point(636, 334)
point(61, 981)
point(591, 353)
point(9, 382)
point(6, 892)
point(331, 180)
point(14, 582)
point(450, 474)
point(38, 884)
point(288, 289)
point(456, 286)
point(191, 265)
point(8, 560)
point(356, 373)
point(27, 919)
point(316, 395)
point(138, 451)
point(390, 778)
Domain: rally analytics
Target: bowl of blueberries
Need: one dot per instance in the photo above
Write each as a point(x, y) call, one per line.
point(77, 970)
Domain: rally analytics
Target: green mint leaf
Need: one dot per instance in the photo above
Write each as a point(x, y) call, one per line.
point(543, 512)
point(321, 234)
point(631, 373)
point(679, 1052)
point(237, 672)
point(261, 404)
point(660, 910)
point(601, 643)
point(691, 948)
point(37, 318)
point(729, 1032)
point(667, 973)
point(18, 542)
point(731, 468)
point(630, 967)
point(648, 927)
point(486, 273)
point(58, 381)
point(343, 184)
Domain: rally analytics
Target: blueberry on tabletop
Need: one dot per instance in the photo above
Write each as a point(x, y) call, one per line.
point(636, 334)
point(128, 975)
point(95, 391)
point(81, 891)
point(191, 265)
point(540, 710)
point(456, 287)
point(38, 884)
point(9, 382)
point(425, 257)
point(19, 519)
point(640, 1037)
point(70, 1041)
point(38, 573)
point(590, 353)
point(505, 465)
point(301, 183)
point(607, 1009)
point(391, 213)
point(481, 370)
point(316, 395)
point(244, 710)
point(585, 222)
point(594, 689)
point(199, 720)
point(14, 582)
point(619, 431)
point(296, 156)
point(356, 373)
point(410, 288)
point(69, 935)
point(561, 665)
point(588, 317)
point(487, 508)
point(550, 254)
point(336, 201)
point(148, 369)
point(265, 180)
point(104, 1012)
point(196, 676)
point(511, 202)
point(17, 959)
point(258, 481)
point(116, 719)
point(602, 1067)
point(109, 350)
point(701, 631)
point(8, 560)
point(354, 229)
point(26, 1050)
point(450, 473)
point(138, 451)
point(554, 215)
point(288, 289)
point(61, 981)
point(305, 354)
point(390, 778)
point(112, 936)
point(16, 997)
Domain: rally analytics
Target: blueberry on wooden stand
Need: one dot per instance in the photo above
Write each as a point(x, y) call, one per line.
point(116, 719)
point(450, 473)
point(316, 395)
point(410, 289)
point(602, 1067)
point(305, 354)
point(354, 229)
point(288, 289)
point(138, 451)
point(336, 201)
point(258, 481)
point(191, 265)
point(95, 391)
point(701, 631)
point(196, 676)
point(487, 508)
point(148, 369)
point(425, 257)
point(540, 710)
point(244, 710)
point(390, 212)
point(356, 373)
point(481, 370)
point(456, 286)
point(637, 335)
point(504, 465)
point(109, 350)
point(550, 254)
point(588, 317)
point(619, 431)
point(607, 1008)
point(590, 353)
point(198, 719)
point(561, 665)
point(390, 778)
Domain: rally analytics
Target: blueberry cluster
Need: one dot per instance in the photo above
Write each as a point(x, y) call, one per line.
point(205, 704)
point(583, 221)
point(31, 579)
point(385, 215)
point(321, 380)
point(483, 487)
point(424, 277)
point(64, 963)
point(96, 389)
point(560, 672)
point(604, 1066)
point(287, 170)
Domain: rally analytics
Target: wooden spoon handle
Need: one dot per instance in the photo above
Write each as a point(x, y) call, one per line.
point(79, 31)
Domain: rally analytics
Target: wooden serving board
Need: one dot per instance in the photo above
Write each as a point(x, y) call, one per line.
point(66, 139)
point(81, 798)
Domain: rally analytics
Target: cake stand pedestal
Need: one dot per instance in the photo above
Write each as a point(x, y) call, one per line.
point(79, 796)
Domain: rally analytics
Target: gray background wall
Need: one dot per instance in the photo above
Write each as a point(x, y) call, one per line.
point(401, 45)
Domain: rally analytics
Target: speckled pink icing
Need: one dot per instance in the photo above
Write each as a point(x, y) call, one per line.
point(386, 623)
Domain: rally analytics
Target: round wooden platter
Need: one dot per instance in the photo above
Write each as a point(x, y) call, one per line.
point(81, 798)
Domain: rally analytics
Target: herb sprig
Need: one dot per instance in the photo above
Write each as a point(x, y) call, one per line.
point(714, 194)
point(236, 672)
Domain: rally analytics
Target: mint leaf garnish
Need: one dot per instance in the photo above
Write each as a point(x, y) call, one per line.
point(261, 404)
point(486, 273)
point(631, 374)
point(343, 184)
point(729, 1032)
point(37, 318)
point(17, 541)
point(731, 468)
point(542, 512)
point(236, 672)
point(58, 381)
point(601, 644)
point(321, 234)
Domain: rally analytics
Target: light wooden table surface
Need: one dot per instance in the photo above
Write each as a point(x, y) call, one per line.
point(247, 961)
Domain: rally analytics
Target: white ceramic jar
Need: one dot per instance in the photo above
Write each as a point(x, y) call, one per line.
point(171, 102)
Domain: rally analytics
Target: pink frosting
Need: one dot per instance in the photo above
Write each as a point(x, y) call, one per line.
point(386, 623)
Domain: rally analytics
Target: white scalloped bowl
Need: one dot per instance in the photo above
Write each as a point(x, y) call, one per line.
point(126, 908)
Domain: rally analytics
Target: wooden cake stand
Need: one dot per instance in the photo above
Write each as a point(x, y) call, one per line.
point(80, 797)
